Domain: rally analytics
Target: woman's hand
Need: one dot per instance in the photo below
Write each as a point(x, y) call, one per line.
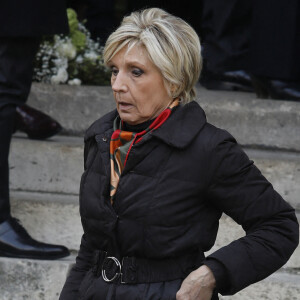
point(199, 285)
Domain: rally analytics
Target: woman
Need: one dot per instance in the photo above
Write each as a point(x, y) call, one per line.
point(158, 177)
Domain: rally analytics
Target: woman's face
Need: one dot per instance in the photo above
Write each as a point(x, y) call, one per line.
point(138, 86)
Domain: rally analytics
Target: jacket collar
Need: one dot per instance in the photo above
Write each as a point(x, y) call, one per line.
point(182, 126)
point(178, 131)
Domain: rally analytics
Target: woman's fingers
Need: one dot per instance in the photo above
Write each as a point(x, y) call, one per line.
point(198, 285)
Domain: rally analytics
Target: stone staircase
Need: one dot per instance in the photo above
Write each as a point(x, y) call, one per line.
point(45, 185)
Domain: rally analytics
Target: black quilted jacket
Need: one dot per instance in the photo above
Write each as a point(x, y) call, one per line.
point(174, 188)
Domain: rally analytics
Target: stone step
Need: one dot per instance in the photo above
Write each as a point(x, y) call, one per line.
point(262, 123)
point(51, 218)
point(51, 166)
point(43, 280)
point(22, 279)
point(55, 166)
point(54, 218)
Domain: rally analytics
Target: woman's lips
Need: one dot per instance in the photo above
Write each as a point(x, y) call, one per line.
point(124, 105)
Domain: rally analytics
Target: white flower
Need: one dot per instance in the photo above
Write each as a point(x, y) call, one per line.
point(74, 81)
point(60, 77)
point(67, 49)
point(79, 59)
point(92, 55)
point(61, 63)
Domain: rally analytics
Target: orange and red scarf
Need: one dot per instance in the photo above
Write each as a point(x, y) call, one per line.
point(122, 142)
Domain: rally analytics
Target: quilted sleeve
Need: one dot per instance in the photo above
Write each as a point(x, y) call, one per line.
point(239, 189)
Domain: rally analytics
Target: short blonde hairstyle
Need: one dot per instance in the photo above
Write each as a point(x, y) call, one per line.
point(172, 45)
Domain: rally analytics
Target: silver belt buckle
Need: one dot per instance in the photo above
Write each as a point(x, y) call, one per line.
point(117, 275)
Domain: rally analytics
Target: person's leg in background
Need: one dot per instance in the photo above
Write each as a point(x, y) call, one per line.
point(225, 36)
point(100, 18)
point(7, 116)
point(16, 65)
point(16, 68)
point(15, 82)
point(275, 49)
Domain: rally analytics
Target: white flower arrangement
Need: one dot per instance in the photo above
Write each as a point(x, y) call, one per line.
point(66, 49)
point(74, 59)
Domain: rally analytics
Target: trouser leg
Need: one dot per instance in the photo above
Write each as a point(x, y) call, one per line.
point(100, 18)
point(16, 65)
point(226, 32)
point(7, 115)
point(275, 46)
point(16, 68)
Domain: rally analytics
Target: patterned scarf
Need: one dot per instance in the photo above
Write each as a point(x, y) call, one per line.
point(122, 142)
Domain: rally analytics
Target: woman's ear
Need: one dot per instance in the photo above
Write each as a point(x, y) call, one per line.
point(173, 90)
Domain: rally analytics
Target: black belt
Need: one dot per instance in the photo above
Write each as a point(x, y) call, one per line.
point(142, 270)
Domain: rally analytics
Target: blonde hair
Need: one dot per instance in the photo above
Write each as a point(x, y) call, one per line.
point(172, 45)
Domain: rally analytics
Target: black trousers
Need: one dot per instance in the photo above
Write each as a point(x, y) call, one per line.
point(16, 66)
point(100, 18)
point(275, 39)
point(225, 34)
point(262, 37)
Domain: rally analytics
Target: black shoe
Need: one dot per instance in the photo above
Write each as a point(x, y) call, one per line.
point(35, 123)
point(229, 81)
point(16, 242)
point(276, 89)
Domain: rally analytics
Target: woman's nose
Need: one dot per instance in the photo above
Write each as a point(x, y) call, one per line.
point(118, 83)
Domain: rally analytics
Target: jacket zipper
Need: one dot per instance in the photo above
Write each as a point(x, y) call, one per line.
point(105, 140)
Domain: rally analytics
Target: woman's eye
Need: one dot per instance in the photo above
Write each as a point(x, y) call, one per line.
point(114, 71)
point(137, 72)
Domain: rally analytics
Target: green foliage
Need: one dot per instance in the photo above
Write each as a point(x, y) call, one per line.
point(78, 40)
point(72, 19)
